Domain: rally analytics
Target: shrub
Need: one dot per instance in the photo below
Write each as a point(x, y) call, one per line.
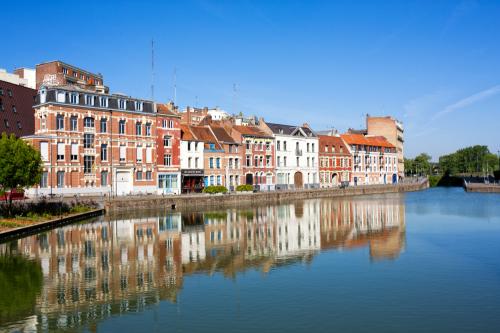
point(434, 180)
point(244, 188)
point(215, 189)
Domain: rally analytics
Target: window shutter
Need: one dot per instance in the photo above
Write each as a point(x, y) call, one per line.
point(60, 148)
point(74, 149)
point(44, 150)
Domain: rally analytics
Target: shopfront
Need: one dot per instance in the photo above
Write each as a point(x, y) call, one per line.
point(192, 180)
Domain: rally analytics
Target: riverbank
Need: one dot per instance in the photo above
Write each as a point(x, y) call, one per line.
point(482, 188)
point(124, 204)
point(29, 229)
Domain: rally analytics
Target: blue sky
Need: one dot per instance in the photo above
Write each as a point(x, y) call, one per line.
point(434, 65)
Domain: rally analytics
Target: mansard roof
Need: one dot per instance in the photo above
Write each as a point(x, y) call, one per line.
point(290, 129)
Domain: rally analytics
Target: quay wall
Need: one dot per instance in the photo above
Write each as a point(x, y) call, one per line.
point(214, 201)
point(482, 188)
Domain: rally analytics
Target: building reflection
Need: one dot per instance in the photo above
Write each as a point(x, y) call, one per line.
point(116, 265)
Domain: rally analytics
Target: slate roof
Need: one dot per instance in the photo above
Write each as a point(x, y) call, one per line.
point(289, 129)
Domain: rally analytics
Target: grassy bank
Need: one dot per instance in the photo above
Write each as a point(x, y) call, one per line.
point(25, 214)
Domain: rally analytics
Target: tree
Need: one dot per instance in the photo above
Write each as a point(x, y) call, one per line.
point(423, 163)
point(20, 166)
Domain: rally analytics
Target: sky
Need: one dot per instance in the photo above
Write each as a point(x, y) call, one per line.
point(434, 65)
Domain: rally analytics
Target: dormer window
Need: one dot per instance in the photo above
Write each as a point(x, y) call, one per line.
point(65, 70)
point(138, 105)
point(103, 101)
point(73, 98)
point(89, 100)
point(75, 74)
point(121, 103)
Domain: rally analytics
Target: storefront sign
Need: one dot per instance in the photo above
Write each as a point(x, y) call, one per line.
point(192, 172)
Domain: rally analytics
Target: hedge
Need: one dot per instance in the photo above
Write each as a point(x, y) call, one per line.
point(215, 189)
point(244, 188)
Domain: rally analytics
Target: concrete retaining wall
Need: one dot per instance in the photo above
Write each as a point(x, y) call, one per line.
point(244, 199)
point(483, 188)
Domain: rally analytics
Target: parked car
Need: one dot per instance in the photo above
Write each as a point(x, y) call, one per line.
point(14, 195)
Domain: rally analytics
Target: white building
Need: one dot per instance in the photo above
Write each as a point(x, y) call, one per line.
point(218, 114)
point(296, 156)
point(191, 156)
point(25, 77)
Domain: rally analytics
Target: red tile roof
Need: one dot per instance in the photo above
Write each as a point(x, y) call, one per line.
point(166, 110)
point(360, 139)
point(251, 131)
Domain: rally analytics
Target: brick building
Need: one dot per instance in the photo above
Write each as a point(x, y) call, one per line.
point(16, 109)
point(393, 131)
point(374, 159)
point(94, 143)
point(335, 161)
point(257, 155)
point(58, 73)
point(168, 138)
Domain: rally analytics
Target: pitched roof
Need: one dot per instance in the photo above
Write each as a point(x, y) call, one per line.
point(166, 110)
point(360, 139)
point(203, 133)
point(186, 133)
point(289, 129)
point(222, 135)
point(251, 131)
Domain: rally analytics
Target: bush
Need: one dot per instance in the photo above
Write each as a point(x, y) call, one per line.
point(46, 209)
point(244, 188)
point(434, 180)
point(215, 189)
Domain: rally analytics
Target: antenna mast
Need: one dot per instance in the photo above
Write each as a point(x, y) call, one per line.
point(152, 70)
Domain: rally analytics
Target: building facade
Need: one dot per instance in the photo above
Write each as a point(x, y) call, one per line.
point(168, 155)
point(16, 109)
point(257, 154)
point(191, 157)
point(374, 159)
point(94, 143)
point(393, 130)
point(231, 159)
point(335, 161)
point(296, 156)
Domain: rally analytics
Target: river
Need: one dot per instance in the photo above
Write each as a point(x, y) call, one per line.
point(413, 262)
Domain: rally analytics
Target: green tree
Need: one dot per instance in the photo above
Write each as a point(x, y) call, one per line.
point(20, 166)
point(423, 163)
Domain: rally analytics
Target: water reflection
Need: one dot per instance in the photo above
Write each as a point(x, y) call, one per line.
point(114, 266)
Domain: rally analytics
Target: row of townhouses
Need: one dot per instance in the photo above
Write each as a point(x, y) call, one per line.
point(93, 142)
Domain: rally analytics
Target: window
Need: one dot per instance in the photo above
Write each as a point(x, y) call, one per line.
point(248, 144)
point(88, 163)
point(268, 145)
point(189, 162)
point(104, 152)
point(73, 98)
point(88, 140)
point(138, 128)
point(44, 181)
point(6, 122)
point(167, 160)
point(89, 99)
point(60, 122)
point(256, 161)
point(298, 160)
point(268, 160)
point(121, 104)
point(196, 162)
point(74, 151)
point(1, 105)
point(73, 123)
point(60, 179)
point(248, 160)
point(1, 91)
point(121, 127)
point(219, 178)
point(326, 149)
point(88, 122)
point(139, 175)
point(139, 154)
point(284, 145)
point(123, 153)
point(278, 145)
point(65, 70)
point(189, 145)
point(60, 151)
point(14, 109)
point(167, 141)
point(9, 92)
point(104, 125)
point(308, 162)
point(211, 163)
point(44, 151)
point(149, 155)
point(149, 175)
point(312, 147)
point(75, 74)
point(278, 161)
point(104, 178)
point(211, 180)
point(164, 123)
point(217, 162)
point(138, 105)
point(284, 161)
point(148, 129)
point(103, 101)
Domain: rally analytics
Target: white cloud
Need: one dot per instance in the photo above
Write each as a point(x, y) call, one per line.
point(465, 102)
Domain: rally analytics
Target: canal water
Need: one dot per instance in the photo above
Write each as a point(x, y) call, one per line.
point(414, 262)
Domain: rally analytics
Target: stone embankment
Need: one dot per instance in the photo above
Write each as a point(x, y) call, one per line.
point(482, 188)
point(215, 201)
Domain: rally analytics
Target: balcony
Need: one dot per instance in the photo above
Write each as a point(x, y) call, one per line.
point(89, 151)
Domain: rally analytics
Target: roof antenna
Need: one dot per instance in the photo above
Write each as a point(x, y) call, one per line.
point(175, 85)
point(152, 70)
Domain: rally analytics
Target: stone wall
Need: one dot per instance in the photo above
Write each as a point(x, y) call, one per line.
point(246, 199)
